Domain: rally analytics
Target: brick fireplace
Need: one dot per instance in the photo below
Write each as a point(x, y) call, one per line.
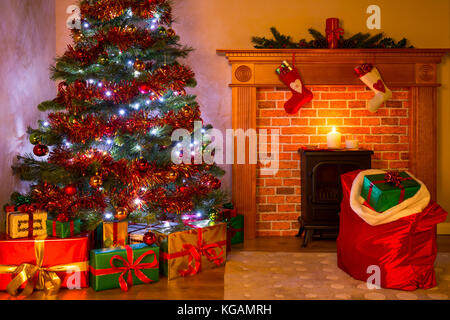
point(402, 133)
point(385, 132)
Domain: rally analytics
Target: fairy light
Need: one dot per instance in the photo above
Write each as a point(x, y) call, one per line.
point(154, 131)
point(137, 201)
point(137, 74)
point(203, 131)
point(148, 102)
point(86, 25)
point(138, 148)
point(108, 93)
point(109, 141)
point(130, 62)
point(91, 81)
point(161, 99)
point(46, 124)
point(108, 216)
point(136, 106)
point(122, 112)
point(100, 84)
point(199, 214)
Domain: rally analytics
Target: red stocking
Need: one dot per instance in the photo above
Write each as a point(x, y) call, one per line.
point(300, 94)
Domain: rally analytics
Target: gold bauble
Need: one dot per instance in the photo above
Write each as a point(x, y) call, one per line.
point(103, 60)
point(96, 181)
point(121, 214)
point(187, 111)
point(172, 176)
point(171, 33)
point(77, 37)
point(139, 65)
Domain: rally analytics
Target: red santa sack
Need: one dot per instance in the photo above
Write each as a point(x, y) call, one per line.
point(404, 250)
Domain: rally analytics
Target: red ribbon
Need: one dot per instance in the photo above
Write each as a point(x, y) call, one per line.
point(130, 266)
point(390, 177)
point(29, 210)
point(195, 254)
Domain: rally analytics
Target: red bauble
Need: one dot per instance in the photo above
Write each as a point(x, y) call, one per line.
point(70, 190)
point(142, 165)
point(40, 150)
point(149, 238)
point(215, 183)
point(144, 88)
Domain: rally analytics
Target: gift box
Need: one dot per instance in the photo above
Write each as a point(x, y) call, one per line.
point(384, 191)
point(63, 230)
point(115, 233)
point(22, 225)
point(136, 233)
point(235, 225)
point(124, 267)
point(48, 264)
point(185, 250)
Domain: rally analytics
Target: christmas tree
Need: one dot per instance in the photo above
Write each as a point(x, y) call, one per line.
point(105, 150)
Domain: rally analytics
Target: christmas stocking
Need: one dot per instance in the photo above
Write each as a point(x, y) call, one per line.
point(372, 78)
point(300, 94)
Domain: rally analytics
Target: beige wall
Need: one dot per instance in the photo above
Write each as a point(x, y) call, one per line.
point(27, 45)
point(207, 25)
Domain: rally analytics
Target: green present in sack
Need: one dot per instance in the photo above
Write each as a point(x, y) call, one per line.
point(384, 191)
point(123, 267)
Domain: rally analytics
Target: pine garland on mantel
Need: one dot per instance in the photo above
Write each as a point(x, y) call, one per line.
point(357, 41)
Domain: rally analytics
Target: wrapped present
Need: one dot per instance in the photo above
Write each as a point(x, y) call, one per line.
point(43, 264)
point(124, 267)
point(185, 250)
point(26, 223)
point(136, 233)
point(115, 233)
point(384, 191)
point(59, 229)
point(235, 225)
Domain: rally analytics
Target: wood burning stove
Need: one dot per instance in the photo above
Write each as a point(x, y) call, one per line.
point(321, 187)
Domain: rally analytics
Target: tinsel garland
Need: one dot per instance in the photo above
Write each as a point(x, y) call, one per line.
point(106, 10)
point(92, 127)
point(167, 78)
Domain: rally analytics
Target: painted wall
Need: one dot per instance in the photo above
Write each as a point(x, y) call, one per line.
point(27, 44)
point(207, 25)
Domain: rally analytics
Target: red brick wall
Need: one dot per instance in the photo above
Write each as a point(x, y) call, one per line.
point(384, 132)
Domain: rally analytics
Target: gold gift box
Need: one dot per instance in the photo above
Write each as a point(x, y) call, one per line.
point(120, 239)
point(174, 255)
point(17, 224)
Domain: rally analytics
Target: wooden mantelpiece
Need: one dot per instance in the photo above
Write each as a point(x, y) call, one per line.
point(414, 68)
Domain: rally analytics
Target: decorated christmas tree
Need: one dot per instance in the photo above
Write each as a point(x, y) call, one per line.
point(105, 150)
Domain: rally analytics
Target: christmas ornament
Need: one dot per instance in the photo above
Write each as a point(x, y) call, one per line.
point(172, 176)
point(77, 36)
point(300, 94)
point(121, 214)
point(333, 32)
point(214, 215)
point(149, 238)
point(103, 60)
point(35, 138)
point(96, 181)
point(139, 65)
point(369, 74)
point(40, 150)
point(187, 111)
point(142, 165)
point(171, 33)
point(215, 184)
point(70, 190)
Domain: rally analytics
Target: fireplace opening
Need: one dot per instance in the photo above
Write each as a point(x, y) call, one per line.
point(321, 191)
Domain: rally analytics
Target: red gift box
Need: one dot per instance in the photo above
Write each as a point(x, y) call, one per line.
point(61, 258)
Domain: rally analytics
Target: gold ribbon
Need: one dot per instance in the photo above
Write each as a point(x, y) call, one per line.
point(47, 279)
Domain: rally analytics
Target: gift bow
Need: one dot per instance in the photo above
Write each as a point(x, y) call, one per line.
point(130, 265)
point(47, 279)
point(196, 252)
point(393, 177)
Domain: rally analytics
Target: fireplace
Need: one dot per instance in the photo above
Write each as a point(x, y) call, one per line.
point(321, 187)
point(402, 133)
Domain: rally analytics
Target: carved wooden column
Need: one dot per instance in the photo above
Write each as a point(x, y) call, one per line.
point(423, 128)
point(244, 175)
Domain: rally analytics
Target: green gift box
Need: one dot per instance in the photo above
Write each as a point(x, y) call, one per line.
point(236, 229)
point(382, 195)
point(63, 230)
point(122, 267)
